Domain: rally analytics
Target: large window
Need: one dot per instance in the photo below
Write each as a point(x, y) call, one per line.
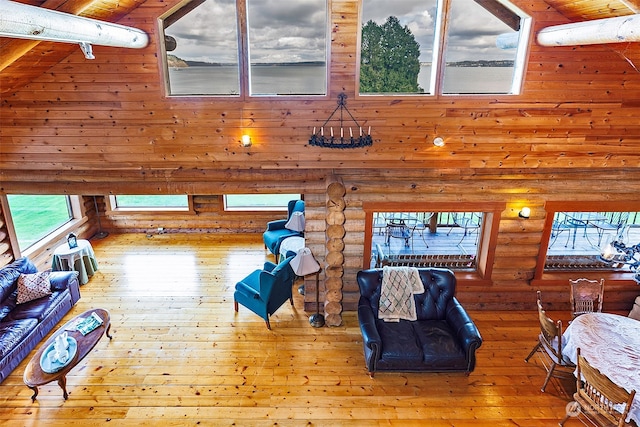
point(285, 53)
point(460, 236)
point(578, 233)
point(253, 202)
point(37, 216)
point(478, 47)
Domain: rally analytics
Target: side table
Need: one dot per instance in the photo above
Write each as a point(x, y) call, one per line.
point(293, 243)
point(81, 259)
point(35, 376)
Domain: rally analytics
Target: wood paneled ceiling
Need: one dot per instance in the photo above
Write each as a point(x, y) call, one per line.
point(23, 60)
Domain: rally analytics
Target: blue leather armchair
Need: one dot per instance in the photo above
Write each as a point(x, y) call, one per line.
point(443, 338)
point(276, 232)
point(264, 291)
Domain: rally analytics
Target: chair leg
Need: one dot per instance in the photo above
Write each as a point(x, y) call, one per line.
point(268, 324)
point(235, 305)
point(546, 381)
point(532, 352)
point(291, 301)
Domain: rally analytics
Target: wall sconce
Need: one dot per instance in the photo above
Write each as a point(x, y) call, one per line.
point(438, 141)
point(246, 141)
point(525, 213)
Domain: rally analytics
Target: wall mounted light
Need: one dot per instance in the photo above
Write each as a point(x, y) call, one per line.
point(525, 213)
point(438, 141)
point(246, 141)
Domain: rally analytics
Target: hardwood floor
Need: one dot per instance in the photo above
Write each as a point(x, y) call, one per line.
point(181, 356)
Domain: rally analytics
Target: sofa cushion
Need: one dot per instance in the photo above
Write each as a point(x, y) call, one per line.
point(11, 333)
point(33, 286)
point(439, 344)
point(9, 275)
point(400, 349)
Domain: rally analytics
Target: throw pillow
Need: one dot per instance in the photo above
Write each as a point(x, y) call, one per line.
point(33, 286)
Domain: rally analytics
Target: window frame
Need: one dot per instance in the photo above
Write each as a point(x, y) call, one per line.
point(438, 57)
point(487, 241)
point(243, 58)
point(113, 209)
point(542, 277)
point(78, 217)
point(250, 208)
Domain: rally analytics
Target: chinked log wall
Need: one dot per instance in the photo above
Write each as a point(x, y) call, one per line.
point(105, 127)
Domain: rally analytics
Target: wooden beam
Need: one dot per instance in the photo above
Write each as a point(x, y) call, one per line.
point(622, 29)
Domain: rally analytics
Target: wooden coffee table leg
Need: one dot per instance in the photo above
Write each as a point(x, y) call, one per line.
point(62, 382)
point(35, 392)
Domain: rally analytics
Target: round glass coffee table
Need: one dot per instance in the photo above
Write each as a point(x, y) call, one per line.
point(35, 375)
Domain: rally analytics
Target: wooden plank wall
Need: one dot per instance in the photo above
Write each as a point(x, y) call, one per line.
point(105, 127)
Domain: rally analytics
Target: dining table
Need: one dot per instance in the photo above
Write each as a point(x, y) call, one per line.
point(610, 343)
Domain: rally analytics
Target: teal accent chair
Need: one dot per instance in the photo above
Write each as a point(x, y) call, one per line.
point(276, 231)
point(264, 291)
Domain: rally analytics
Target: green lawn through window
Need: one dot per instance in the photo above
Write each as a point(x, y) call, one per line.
point(35, 216)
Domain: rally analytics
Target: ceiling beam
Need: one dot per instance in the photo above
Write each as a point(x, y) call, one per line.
point(621, 29)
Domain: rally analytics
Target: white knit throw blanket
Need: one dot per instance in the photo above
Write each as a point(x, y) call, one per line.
point(396, 294)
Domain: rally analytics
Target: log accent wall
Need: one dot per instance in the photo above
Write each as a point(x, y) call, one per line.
point(106, 127)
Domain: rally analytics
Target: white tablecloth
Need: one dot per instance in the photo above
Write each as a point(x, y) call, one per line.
point(81, 259)
point(610, 343)
point(293, 243)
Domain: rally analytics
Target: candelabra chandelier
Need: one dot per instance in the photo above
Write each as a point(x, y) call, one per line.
point(361, 139)
point(617, 252)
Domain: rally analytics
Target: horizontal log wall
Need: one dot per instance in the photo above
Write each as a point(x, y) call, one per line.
point(105, 127)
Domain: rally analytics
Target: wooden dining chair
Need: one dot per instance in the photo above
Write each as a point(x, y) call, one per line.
point(598, 398)
point(550, 347)
point(586, 296)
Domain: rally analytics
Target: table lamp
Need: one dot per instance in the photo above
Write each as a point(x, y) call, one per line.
point(304, 264)
point(296, 222)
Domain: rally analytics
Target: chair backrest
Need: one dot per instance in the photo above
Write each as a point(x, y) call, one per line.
point(294, 206)
point(275, 285)
point(586, 296)
point(550, 333)
point(600, 395)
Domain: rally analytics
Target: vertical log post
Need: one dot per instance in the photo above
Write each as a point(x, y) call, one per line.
point(335, 246)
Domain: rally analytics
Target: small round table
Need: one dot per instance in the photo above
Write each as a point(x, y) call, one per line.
point(80, 259)
point(293, 243)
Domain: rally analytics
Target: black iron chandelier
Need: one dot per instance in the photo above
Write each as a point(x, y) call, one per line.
point(361, 139)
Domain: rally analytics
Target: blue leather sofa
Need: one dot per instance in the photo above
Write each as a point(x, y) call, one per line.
point(23, 326)
point(276, 231)
point(443, 338)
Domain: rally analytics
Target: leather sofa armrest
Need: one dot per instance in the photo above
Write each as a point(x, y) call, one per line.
point(61, 280)
point(276, 225)
point(370, 335)
point(467, 332)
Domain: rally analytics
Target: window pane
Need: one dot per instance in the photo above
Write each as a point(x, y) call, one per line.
point(481, 49)
point(260, 201)
point(34, 217)
point(287, 47)
point(578, 239)
point(397, 46)
point(205, 59)
point(152, 201)
point(437, 239)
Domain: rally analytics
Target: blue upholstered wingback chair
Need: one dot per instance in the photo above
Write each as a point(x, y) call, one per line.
point(276, 231)
point(264, 291)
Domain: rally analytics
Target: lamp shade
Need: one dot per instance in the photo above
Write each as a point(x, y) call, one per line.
point(304, 263)
point(296, 222)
